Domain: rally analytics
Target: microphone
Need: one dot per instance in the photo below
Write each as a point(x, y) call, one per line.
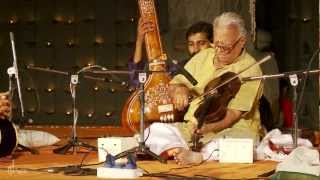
point(184, 72)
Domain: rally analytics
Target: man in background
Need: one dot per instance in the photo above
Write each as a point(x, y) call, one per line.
point(271, 94)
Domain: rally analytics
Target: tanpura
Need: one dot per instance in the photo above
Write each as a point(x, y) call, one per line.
point(158, 105)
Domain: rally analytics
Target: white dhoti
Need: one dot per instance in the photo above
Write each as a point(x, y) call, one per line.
point(161, 137)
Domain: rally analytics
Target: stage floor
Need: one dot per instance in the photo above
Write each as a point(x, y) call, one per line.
point(24, 164)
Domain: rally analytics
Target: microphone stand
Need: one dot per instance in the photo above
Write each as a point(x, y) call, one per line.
point(14, 71)
point(141, 149)
point(294, 80)
point(14, 74)
point(74, 143)
point(11, 72)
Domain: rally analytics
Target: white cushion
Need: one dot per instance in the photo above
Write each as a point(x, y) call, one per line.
point(34, 138)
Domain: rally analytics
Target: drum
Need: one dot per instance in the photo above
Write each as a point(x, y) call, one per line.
point(8, 139)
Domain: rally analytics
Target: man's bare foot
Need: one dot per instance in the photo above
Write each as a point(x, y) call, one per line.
point(185, 157)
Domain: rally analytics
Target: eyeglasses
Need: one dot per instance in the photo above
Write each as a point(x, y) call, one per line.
point(226, 48)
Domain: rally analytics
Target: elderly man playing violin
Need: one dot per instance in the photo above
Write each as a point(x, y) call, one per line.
point(241, 120)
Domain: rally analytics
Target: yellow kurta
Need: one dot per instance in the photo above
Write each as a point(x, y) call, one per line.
point(202, 68)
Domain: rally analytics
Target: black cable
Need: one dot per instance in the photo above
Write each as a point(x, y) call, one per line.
point(94, 164)
point(68, 170)
point(149, 132)
point(84, 157)
point(175, 176)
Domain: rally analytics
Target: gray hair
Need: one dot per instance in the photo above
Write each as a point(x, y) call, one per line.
point(231, 18)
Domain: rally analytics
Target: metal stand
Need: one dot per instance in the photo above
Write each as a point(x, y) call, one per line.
point(141, 149)
point(294, 80)
point(13, 73)
point(74, 143)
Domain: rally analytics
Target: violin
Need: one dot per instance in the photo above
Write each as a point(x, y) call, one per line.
point(216, 98)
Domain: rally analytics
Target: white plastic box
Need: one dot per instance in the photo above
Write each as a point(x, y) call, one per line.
point(236, 150)
point(114, 146)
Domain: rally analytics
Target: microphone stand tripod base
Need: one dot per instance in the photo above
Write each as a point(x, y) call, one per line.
point(75, 144)
point(141, 149)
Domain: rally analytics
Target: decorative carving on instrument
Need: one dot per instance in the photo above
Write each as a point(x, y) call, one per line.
point(158, 104)
point(157, 94)
point(157, 99)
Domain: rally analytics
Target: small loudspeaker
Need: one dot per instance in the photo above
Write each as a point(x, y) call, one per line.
point(114, 146)
point(235, 150)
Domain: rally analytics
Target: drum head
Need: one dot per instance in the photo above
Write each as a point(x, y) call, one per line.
point(8, 141)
